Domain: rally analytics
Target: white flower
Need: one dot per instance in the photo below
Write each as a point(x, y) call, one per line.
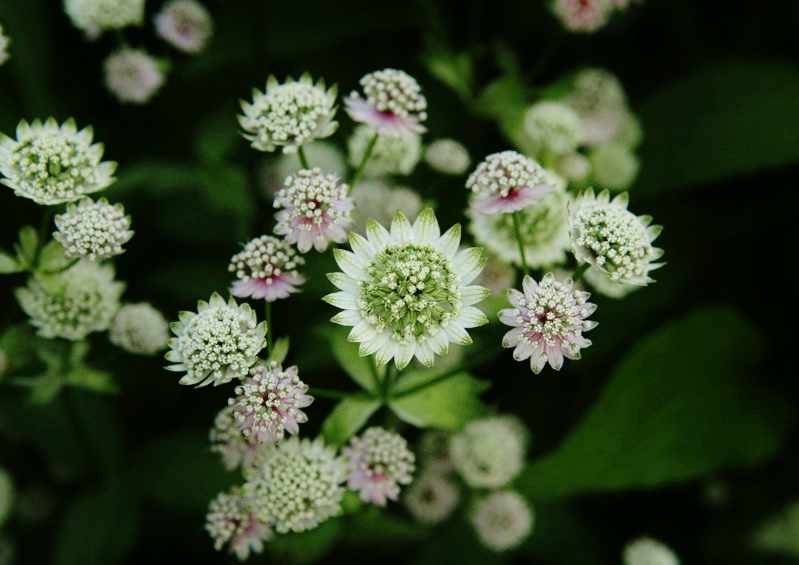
point(267, 269)
point(389, 156)
point(227, 440)
point(393, 103)
point(4, 41)
point(139, 328)
point(289, 115)
point(583, 15)
point(231, 520)
point(612, 239)
point(93, 16)
point(553, 126)
point(132, 75)
point(502, 520)
point(647, 551)
point(406, 291)
point(94, 230)
point(489, 452)
point(506, 182)
point(73, 303)
point(598, 97)
point(52, 164)
point(431, 498)
point(185, 24)
point(447, 156)
point(216, 344)
point(378, 462)
point(614, 165)
point(376, 199)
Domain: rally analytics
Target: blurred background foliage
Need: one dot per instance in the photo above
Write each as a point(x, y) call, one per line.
point(678, 423)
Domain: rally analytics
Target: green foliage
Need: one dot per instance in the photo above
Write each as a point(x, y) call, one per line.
point(349, 416)
point(362, 370)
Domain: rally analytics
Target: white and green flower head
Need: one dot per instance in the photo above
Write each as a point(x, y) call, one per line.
point(93, 16)
point(406, 291)
point(389, 156)
point(139, 328)
point(543, 225)
point(231, 521)
point(296, 485)
point(598, 97)
point(289, 115)
point(648, 551)
point(553, 127)
point(614, 166)
point(73, 303)
point(432, 497)
point(489, 452)
point(612, 239)
point(216, 344)
point(448, 156)
point(4, 41)
point(6, 495)
point(133, 76)
point(502, 520)
point(375, 198)
point(94, 230)
point(52, 164)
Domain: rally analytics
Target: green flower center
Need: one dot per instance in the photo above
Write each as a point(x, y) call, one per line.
point(54, 162)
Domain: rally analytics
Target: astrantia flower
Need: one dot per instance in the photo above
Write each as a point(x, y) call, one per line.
point(574, 167)
point(549, 319)
point(378, 462)
point(227, 440)
point(447, 156)
point(132, 75)
point(269, 402)
point(502, 520)
point(93, 16)
point(51, 164)
point(543, 225)
point(601, 283)
point(266, 268)
point(376, 199)
point(296, 485)
point(389, 156)
point(553, 127)
point(185, 24)
point(506, 182)
point(216, 344)
point(392, 103)
point(614, 165)
point(489, 452)
point(94, 230)
point(405, 291)
point(323, 154)
point(139, 328)
point(4, 41)
point(73, 303)
point(647, 551)
point(231, 521)
point(289, 115)
point(315, 209)
point(583, 15)
point(431, 498)
point(612, 239)
point(598, 97)
point(433, 451)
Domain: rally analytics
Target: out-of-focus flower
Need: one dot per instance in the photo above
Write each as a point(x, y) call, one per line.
point(601, 282)
point(389, 156)
point(548, 321)
point(598, 97)
point(4, 42)
point(407, 291)
point(267, 269)
point(553, 127)
point(314, 209)
point(779, 533)
point(502, 520)
point(216, 344)
point(139, 328)
point(231, 521)
point(392, 103)
point(132, 75)
point(73, 303)
point(323, 154)
point(647, 551)
point(289, 115)
point(506, 182)
point(227, 440)
point(614, 166)
point(376, 199)
point(582, 16)
point(431, 498)
point(94, 230)
point(489, 452)
point(94, 16)
point(447, 156)
point(378, 462)
point(52, 164)
point(185, 24)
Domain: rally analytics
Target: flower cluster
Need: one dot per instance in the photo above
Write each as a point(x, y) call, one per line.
point(586, 16)
point(502, 520)
point(230, 520)
point(139, 328)
point(506, 182)
point(648, 551)
point(267, 269)
point(132, 75)
point(489, 452)
point(378, 461)
point(94, 16)
point(4, 42)
point(184, 24)
point(392, 103)
point(447, 156)
point(94, 230)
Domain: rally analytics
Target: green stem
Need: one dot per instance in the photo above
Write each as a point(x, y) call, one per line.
point(303, 158)
point(518, 231)
point(362, 166)
point(375, 373)
point(391, 376)
point(269, 330)
point(578, 273)
point(486, 355)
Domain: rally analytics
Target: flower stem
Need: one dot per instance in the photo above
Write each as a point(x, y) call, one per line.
point(269, 331)
point(578, 273)
point(362, 166)
point(303, 158)
point(486, 355)
point(517, 230)
point(388, 382)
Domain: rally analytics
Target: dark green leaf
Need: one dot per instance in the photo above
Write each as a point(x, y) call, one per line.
point(8, 264)
point(217, 134)
point(28, 246)
point(227, 187)
point(347, 418)
point(362, 369)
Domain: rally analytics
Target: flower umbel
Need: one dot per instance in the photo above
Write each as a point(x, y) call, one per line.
point(139, 328)
point(4, 41)
point(231, 520)
point(289, 115)
point(502, 520)
point(378, 461)
point(94, 230)
point(217, 343)
point(648, 551)
point(133, 75)
point(393, 103)
point(315, 209)
point(266, 268)
point(268, 403)
point(93, 16)
point(406, 291)
point(227, 440)
point(505, 182)
point(185, 24)
point(549, 319)
point(52, 164)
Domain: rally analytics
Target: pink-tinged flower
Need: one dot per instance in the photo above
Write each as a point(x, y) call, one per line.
point(316, 209)
point(132, 75)
point(185, 24)
point(549, 319)
point(231, 520)
point(227, 440)
point(266, 268)
point(506, 182)
point(269, 403)
point(392, 103)
point(432, 497)
point(378, 462)
point(583, 15)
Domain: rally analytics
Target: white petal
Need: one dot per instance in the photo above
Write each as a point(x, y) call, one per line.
point(474, 294)
point(386, 353)
point(343, 300)
point(457, 334)
point(347, 318)
point(377, 234)
point(449, 242)
point(343, 282)
point(362, 331)
point(362, 247)
point(425, 354)
point(471, 317)
point(404, 355)
point(401, 229)
point(469, 262)
point(349, 264)
point(426, 230)
point(374, 344)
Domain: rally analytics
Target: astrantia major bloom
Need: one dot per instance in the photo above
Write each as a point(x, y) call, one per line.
point(406, 290)
point(52, 164)
point(548, 321)
point(389, 156)
point(553, 127)
point(185, 24)
point(94, 230)
point(93, 16)
point(139, 328)
point(447, 156)
point(266, 268)
point(133, 75)
point(648, 551)
point(269, 402)
point(4, 41)
point(227, 440)
point(216, 344)
point(231, 521)
point(392, 103)
point(489, 452)
point(289, 115)
point(432, 497)
point(506, 182)
point(316, 209)
point(378, 462)
point(502, 520)
point(612, 239)
point(583, 15)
